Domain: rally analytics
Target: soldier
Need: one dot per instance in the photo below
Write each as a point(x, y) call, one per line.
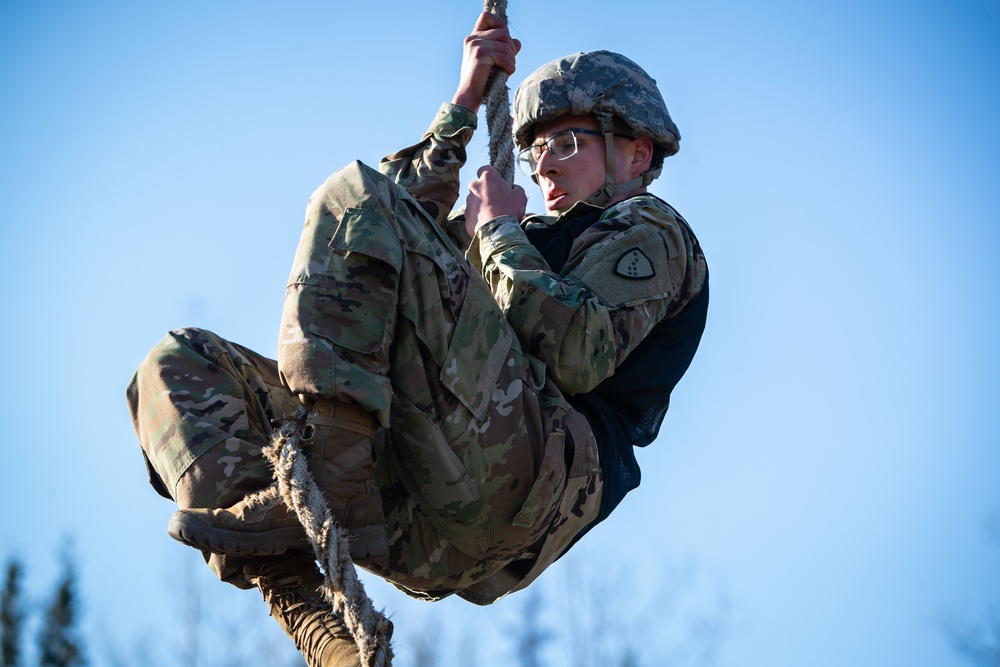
point(475, 385)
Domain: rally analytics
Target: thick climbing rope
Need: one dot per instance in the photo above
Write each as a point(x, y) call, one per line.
point(371, 630)
point(498, 119)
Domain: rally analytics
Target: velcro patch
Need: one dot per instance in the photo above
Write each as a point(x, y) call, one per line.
point(630, 268)
point(635, 265)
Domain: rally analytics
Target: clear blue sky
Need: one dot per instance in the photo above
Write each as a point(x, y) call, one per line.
point(824, 483)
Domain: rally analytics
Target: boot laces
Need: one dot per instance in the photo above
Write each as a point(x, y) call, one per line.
point(307, 618)
point(263, 499)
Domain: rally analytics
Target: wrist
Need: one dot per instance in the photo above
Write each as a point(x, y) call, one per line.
point(468, 100)
point(491, 225)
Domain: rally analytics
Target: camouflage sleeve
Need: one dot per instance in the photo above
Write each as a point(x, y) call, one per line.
point(429, 170)
point(636, 266)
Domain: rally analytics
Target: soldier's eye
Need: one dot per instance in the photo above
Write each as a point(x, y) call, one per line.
point(564, 144)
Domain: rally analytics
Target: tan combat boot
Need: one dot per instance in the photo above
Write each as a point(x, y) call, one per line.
point(338, 439)
point(259, 525)
point(290, 586)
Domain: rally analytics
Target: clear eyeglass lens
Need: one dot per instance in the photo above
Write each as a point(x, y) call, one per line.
point(527, 162)
point(562, 146)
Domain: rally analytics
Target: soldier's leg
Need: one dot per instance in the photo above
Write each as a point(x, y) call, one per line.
point(384, 311)
point(202, 407)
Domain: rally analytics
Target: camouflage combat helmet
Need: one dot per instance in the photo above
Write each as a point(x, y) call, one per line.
point(607, 86)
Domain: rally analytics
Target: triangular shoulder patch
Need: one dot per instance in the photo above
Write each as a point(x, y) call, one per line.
point(634, 264)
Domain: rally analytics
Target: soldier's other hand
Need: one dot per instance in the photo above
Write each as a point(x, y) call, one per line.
point(490, 196)
point(490, 45)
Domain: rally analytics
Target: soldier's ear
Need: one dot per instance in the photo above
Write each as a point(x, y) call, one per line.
point(641, 156)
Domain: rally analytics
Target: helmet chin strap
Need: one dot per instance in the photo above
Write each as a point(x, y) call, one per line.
point(611, 188)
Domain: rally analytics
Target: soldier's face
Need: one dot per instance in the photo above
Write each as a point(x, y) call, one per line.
point(565, 182)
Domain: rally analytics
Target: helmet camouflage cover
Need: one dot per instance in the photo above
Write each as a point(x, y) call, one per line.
point(597, 83)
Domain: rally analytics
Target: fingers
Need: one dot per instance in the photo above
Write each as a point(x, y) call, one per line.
point(492, 49)
point(488, 20)
point(490, 181)
point(491, 38)
point(489, 177)
point(490, 196)
point(490, 45)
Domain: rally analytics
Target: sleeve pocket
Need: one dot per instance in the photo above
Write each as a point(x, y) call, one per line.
point(545, 493)
point(354, 299)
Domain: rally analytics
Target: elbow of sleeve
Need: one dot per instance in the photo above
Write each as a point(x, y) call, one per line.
point(583, 362)
point(579, 376)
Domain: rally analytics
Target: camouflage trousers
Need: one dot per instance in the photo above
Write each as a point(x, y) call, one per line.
point(486, 473)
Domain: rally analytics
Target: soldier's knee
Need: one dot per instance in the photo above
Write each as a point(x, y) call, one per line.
point(192, 341)
point(357, 173)
point(354, 186)
point(193, 345)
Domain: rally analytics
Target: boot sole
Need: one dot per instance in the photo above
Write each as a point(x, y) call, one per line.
point(194, 533)
point(363, 543)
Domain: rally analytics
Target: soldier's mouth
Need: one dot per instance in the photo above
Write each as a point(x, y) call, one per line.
point(554, 196)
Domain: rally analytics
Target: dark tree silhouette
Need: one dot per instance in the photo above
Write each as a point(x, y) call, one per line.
point(11, 616)
point(58, 641)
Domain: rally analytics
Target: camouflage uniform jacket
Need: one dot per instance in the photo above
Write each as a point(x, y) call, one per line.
point(616, 325)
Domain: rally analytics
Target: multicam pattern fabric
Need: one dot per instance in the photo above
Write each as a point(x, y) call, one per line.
point(468, 419)
point(383, 309)
point(468, 376)
point(584, 322)
point(599, 83)
point(202, 408)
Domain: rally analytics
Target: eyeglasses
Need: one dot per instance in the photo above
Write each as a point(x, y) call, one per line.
point(562, 146)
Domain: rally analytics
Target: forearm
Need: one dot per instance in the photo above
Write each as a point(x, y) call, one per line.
point(429, 169)
point(627, 273)
point(555, 318)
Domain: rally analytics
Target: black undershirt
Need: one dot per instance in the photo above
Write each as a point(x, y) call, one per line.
point(625, 410)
